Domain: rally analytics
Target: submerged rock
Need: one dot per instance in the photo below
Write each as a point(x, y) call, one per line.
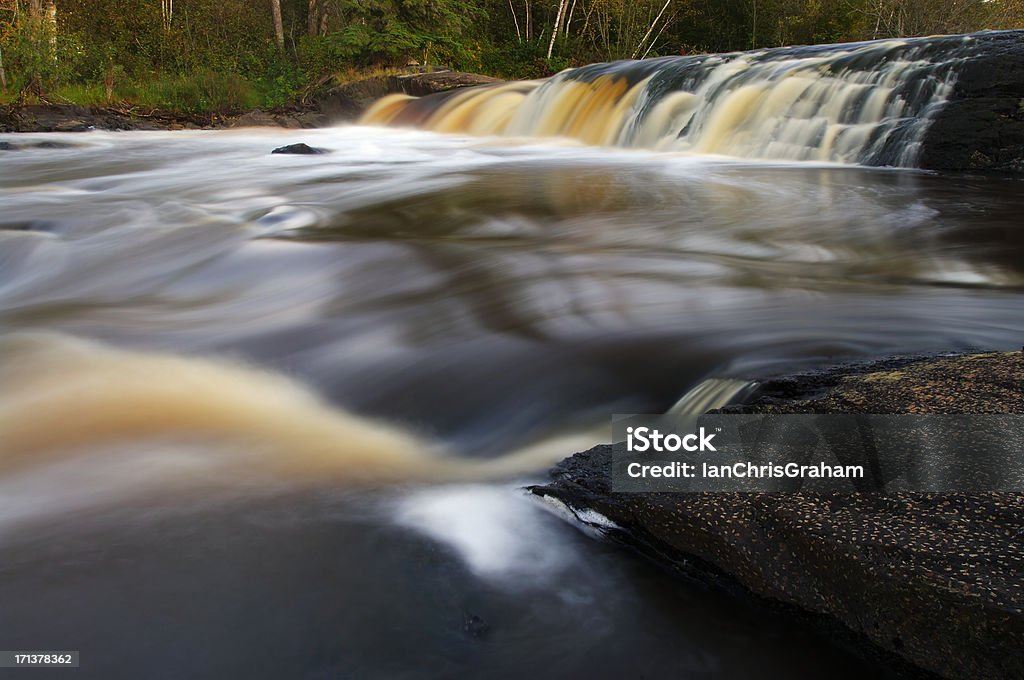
point(922, 581)
point(476, 627)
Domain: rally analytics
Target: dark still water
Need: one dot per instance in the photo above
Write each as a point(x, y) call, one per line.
point(268, 416)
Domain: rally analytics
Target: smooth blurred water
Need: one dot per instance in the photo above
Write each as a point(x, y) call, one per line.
point(485, 292)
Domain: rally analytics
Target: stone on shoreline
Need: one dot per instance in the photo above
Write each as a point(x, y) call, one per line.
point(928, 583)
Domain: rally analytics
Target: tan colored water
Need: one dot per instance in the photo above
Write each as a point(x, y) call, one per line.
point(858, 103)
point(63, 397)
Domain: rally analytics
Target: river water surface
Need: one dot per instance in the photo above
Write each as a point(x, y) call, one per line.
point(187, 487)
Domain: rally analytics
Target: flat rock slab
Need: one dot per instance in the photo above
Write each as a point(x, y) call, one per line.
point(66, 118)
point(926, 582)
point(348, 101)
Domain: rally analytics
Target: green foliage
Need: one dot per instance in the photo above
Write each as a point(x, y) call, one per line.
point(194, 92)
point(222, 54)
point(35, 55)
point(524, 60)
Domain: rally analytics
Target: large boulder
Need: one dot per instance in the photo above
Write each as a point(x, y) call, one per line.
point(930, 583)
point(981, 126)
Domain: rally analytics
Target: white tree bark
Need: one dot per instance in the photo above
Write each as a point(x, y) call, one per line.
point(650, 30)
point(554, 29)
point(275, 6)
point(51, 25)
point(515, 19)
point(568, 20)
point(166, 14)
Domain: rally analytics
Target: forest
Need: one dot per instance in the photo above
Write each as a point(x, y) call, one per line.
point(205, 55)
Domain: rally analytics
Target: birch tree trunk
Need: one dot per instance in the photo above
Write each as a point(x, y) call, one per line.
point(568, 21)
point(166, 14)
point(650, 30)
point(275, 6)
point(554, 29)
point(51, 27)
point(519, 35)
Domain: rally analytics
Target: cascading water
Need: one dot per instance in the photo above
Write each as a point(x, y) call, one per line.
point(711, 394)
point(867, 103)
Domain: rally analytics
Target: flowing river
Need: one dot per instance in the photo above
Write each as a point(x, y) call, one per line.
point(269, 415)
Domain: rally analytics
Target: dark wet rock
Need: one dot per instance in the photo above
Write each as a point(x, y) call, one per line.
point(63, 118)
point(49, 144)
point(260, 118)
point(973, 383)
point(45, 144)
point(349, 100)
point(60, 118)
point(420, 84)
point(932, 584)
point(982, 125)
point(299, 149)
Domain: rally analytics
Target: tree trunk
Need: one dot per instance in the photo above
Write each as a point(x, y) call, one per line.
point(275, 6)
point(166, 14)
point(568, 21)
point(51, 23)
point(651, 30)
point(313, 19)
point(554, 29)
point(519, 35)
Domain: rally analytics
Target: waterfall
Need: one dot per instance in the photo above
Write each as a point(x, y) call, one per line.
point(711, 394)
point(867, 103)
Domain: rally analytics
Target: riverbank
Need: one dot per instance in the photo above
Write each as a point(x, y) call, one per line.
point(328, 104)
point(931, 584)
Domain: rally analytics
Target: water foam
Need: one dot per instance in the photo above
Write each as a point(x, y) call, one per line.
point(498, 534)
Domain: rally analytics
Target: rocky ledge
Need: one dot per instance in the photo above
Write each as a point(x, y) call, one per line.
point(932, 585)
point(68, 118)
point(348, 101)
point(322, 106)
point(981, 127)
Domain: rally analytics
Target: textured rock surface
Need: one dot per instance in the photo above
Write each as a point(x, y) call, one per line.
point(932, 580)
point(348, 101)
point(982, 125)
point(299, 149)
point(60, 118)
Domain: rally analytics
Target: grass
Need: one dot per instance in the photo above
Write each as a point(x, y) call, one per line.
point(197, 93)
point(203, 92)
